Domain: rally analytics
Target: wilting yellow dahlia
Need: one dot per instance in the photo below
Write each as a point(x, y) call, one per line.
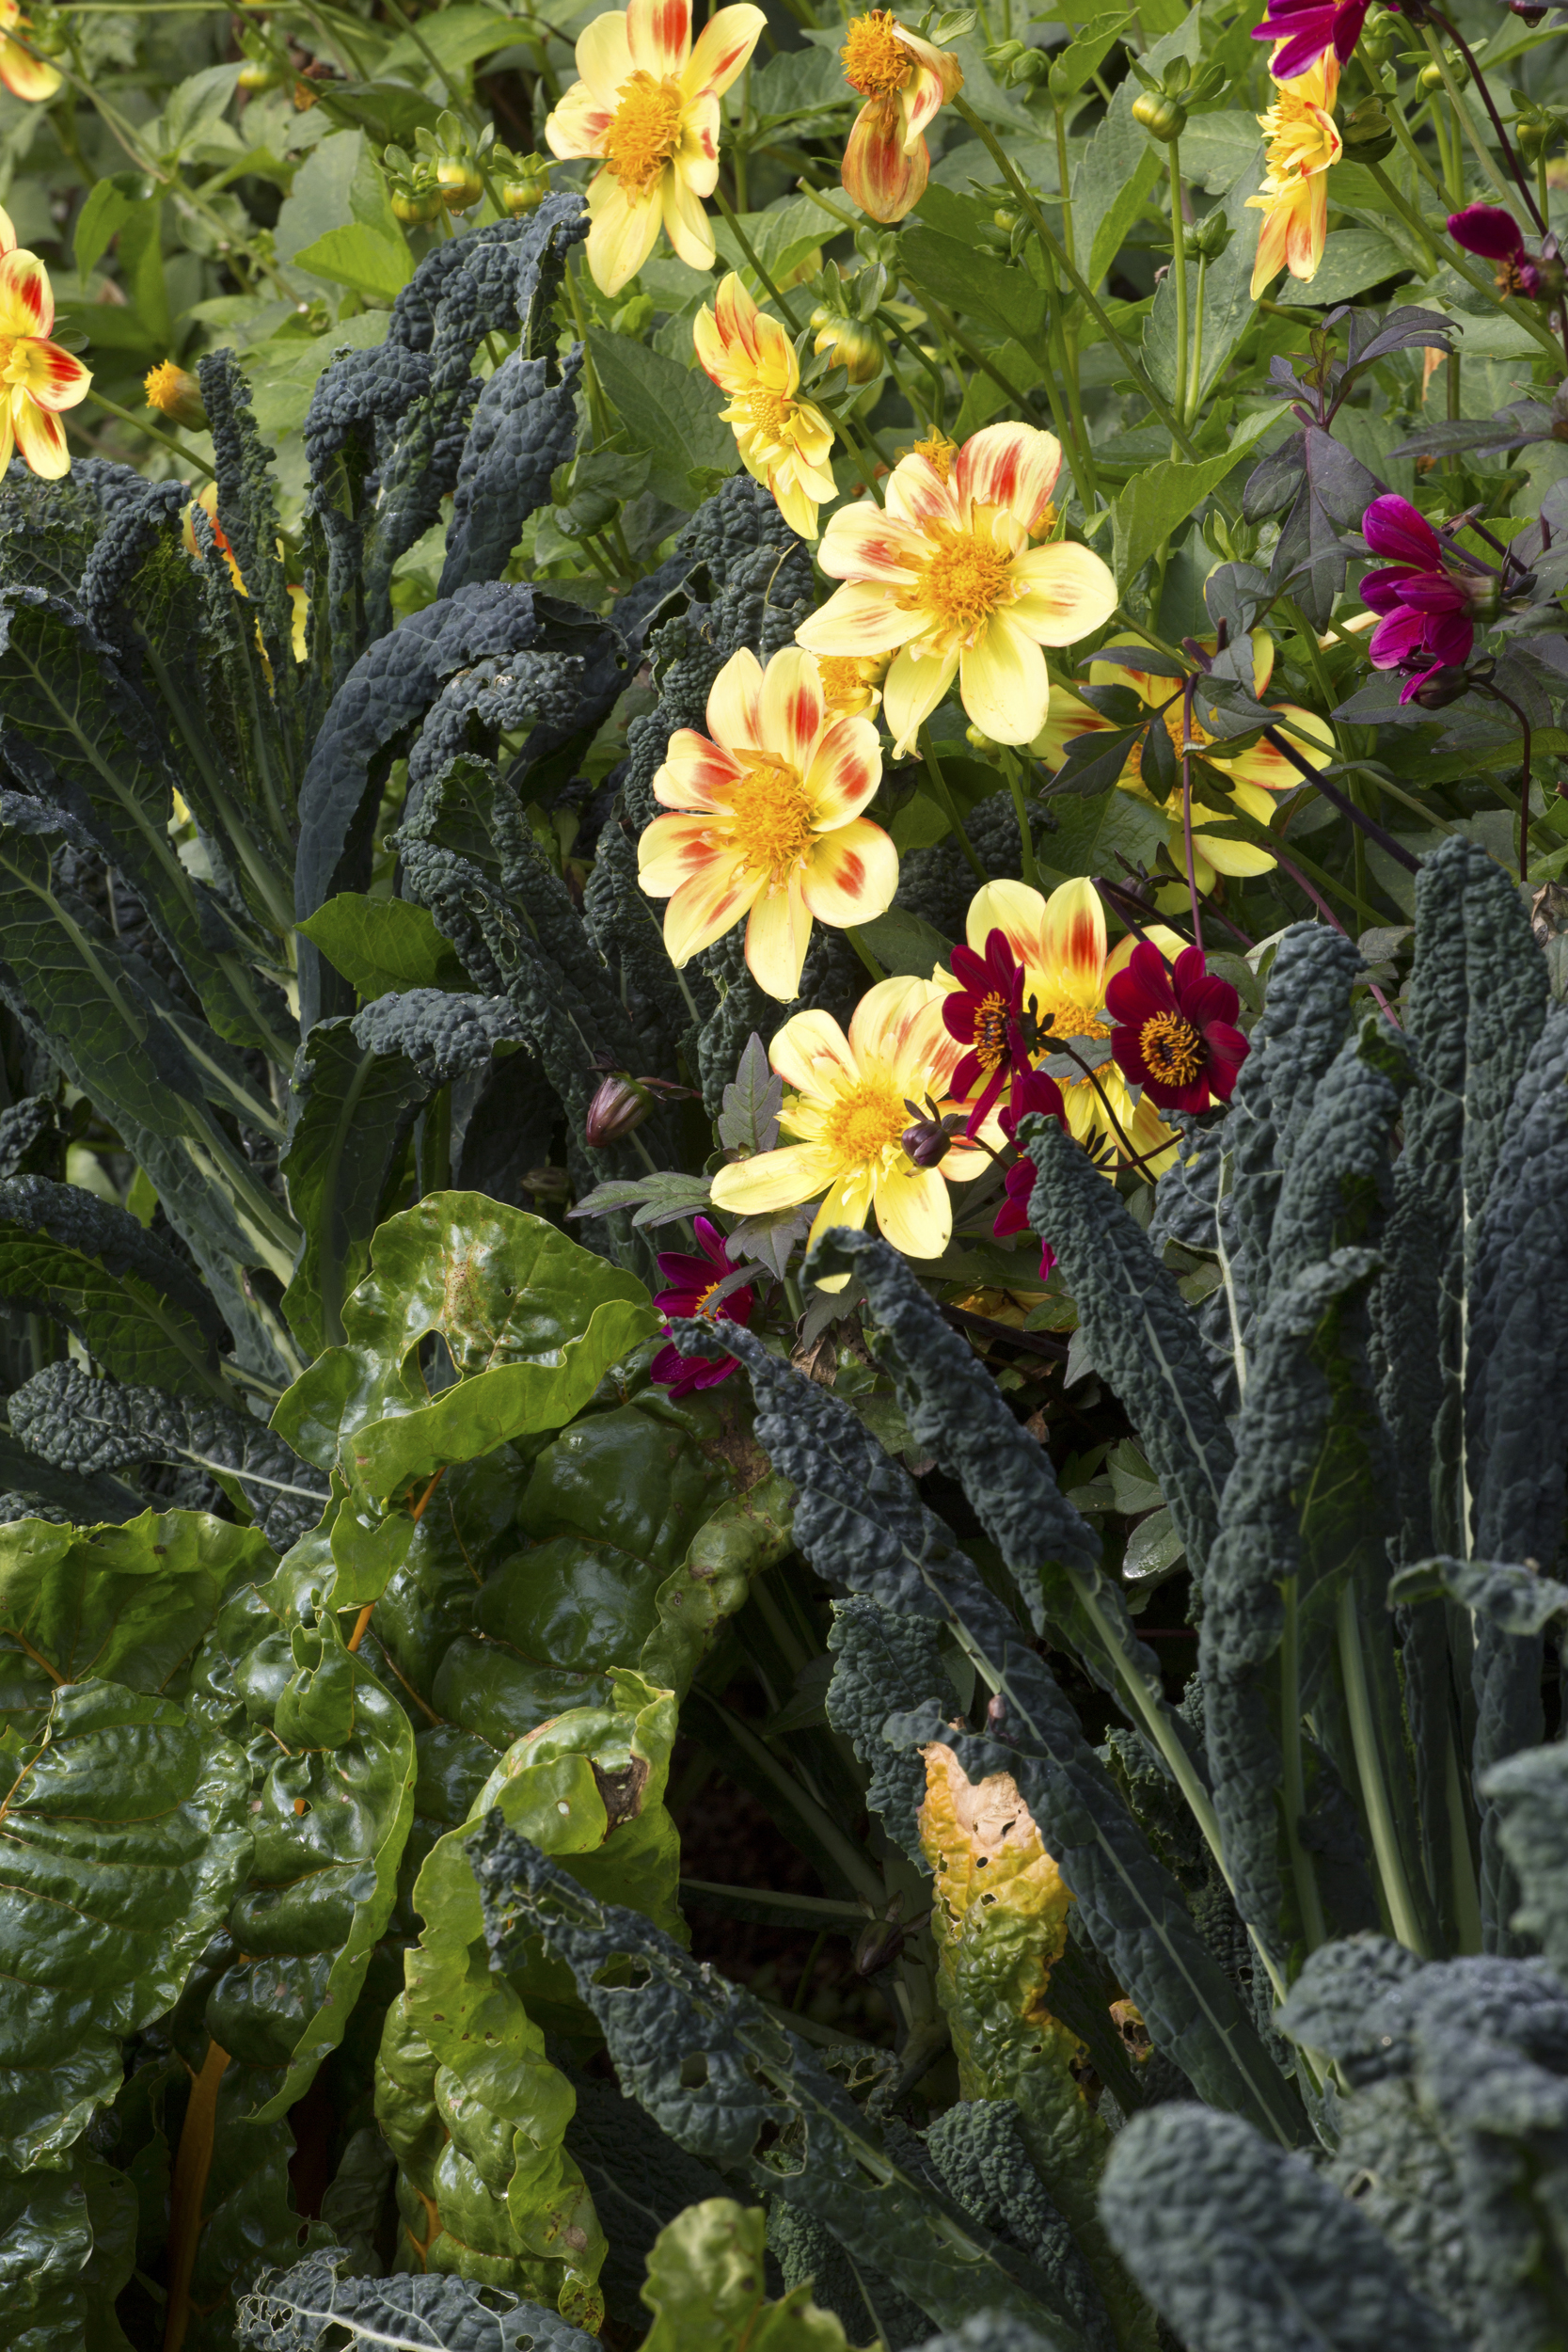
point(904, 82)
point(39, 377)
point(27, 77)
point(945, 579)
point(784, 441)
point(1304, 141)
point(648, 106)
point(768, 823)
point(1255, 772)
point(1062, 944)
point(846, 1103)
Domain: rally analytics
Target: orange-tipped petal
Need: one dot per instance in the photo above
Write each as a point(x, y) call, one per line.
point(695, 160)
point(1269, 770)
point(723, 49)
point(28, 78)
point(734, 704)
point(578, 123)
point(658, 34)
point(860, 619)
point(708, 905)
point(1015, 910)
point(1073, 939)
point(53, 377)
point(844, 771)
point(1013, 466)
point(878, 175)
point(7, 232)
point(1068, 592)
point(604, 57)
point(886, 1018)
point(812, 1054)
point(863, 541)
point(41, 438)
point(1003, 682)
point(848, 1202)
point(777, 937)
point(792, 711)
point(27, 301)
point(696, 775)
point(673, 848)
point(1066, 720)
point(927, 93)
point(917, 494)
point(851, 875)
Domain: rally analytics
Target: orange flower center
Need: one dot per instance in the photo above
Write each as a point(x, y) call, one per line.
point(864, 1120)
point(990, 1030)
point(1172, 1048)
point(941, 453)
point(700, 1304)
point(965, 582)
point(1068, 1016)
point(770, 814)
point(876, 61)
point(771, 413)
point(645, 130)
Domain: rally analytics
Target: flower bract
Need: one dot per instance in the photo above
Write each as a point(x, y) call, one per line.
point(690, 1283)
point(784, 441)
point(1175, 1031)
point(846, 1105)
point(768, 820)
point(40, 378)
point(946, 578)
point(904, 81)
point(1303, 143)
point(647, 106)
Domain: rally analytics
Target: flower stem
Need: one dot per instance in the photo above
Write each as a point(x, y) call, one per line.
point(1537, 212)
point(163, 440)
point(942, 794)
point(1179, 277)
point(1187, 811)
point(1483, 154)
point(852, 934)
point(744, 242)
point(1014, 785)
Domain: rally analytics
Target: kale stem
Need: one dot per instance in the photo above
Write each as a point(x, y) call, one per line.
point(1303, 1876)
point(1369, 1771)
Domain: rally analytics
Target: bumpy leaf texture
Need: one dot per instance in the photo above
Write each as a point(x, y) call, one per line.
point(134, 1305)
point(313, 2306)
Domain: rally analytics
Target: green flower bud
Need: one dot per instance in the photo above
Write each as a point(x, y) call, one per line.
point(1164, 119)
point(1368, 133)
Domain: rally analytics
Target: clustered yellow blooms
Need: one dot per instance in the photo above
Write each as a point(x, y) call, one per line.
point(1304, 142)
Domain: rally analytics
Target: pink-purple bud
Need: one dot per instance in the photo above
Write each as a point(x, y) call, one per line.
point(618, 1107)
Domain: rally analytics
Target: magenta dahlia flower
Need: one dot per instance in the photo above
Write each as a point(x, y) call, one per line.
point(1495, 235)
point(1175, 1032)
point(1425, 605)
point(986, 1014)
point(692, 1283)
point(1309, 29)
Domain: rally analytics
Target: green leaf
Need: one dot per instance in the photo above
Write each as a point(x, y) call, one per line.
point(1113, 177)
point(457, 38)
point(530, 1324)
point(799, 82)
point(1353, 258)
point(939, 251)
point(1090, 45)
point(126, 1831)
point(383, 943)
point(588, 1785)
point(406, 2312)
point(68, 2246)
point(134, 1305)
point(904, 942)
point(195, 107)
point(706, 2285)
point(128, 1604)
point(748, 1117)
point(1154, 505)
point(1228, 306)
point(107, 209)
point(658, 1200)
point(376, 266)
point(670, 411)
point(784, 240)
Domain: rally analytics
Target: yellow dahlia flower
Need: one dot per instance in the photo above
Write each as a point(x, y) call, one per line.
point(852, 683)
point(768, 823)
point(1304, 141)
point(37, 378)
point(1062, 944)
point(945, 579)
point(904, 82)
point(846, 1105)
point(648, 106)
point(1258, 772)
point(26, 76)
point(783, 441)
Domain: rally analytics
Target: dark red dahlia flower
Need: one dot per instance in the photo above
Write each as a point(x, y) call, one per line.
point(986, 1014)
point(1175, 1031)
point(1425, 605)
point(692, 1283)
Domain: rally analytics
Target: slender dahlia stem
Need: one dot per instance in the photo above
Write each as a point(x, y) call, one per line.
point(1179, 276)
point(1187, 808)
point(1537, 212)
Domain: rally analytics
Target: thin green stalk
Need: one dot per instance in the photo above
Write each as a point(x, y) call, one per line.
point(1369, 1771)
point(163, 440)
point(943, 795)
point(1179, 276)
point(1483, 154)
point(1065, 185)
point(852, 934)
point(1303, 1874)
point(744, 242)
point(1014, 785)
point(849, 1856)
point(939, 397)
point(1462, 1862)
point(1194, 388)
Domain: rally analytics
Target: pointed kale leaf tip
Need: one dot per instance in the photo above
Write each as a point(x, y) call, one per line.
point(1243, 2248)
point(313, 2306)
point(713, 2068)
point(1140, 1329)
point(862, 1526)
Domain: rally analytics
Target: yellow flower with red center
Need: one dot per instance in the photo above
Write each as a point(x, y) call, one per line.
point(1303, 143)
point(767, 821)
point(904, 82)
point(41, 379)
point(1063, 946)
point(1256, 771)
point(945, 579)
point(27, 77)
point(647, 106)
point(846, 1105)
point(784, 440)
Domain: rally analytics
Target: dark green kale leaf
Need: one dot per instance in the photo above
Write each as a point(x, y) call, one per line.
point(133, 1304)
point(313, 2306)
